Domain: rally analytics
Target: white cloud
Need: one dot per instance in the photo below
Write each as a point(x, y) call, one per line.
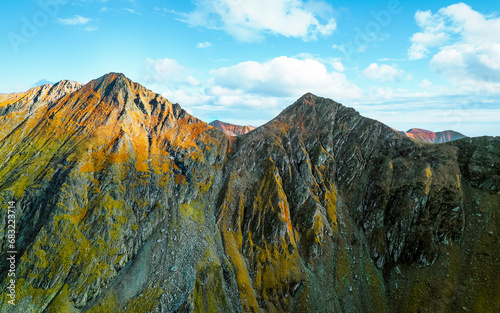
point(90, 28)
point(76, 20)
point(286, 77)
point(469, 64)
point(161, 70)
point(132, 11)
point(468, 42)
point(429, 39)
point(338, 66)
point(203, 45)
point(385, 73)
point(433, 34)
point(417, 51)
point(335, 63)
point(457, 22)
point(251, 20)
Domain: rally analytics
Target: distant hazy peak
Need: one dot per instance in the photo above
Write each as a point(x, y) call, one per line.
point(433, 137)
point(231, 129)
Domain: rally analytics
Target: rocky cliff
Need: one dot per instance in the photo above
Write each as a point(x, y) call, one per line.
point(231, 129)
point(126, 203)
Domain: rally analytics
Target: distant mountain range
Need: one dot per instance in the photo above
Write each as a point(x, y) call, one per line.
point(429, 136)
point(124, 202)
point(414, 133)
point(231, 129)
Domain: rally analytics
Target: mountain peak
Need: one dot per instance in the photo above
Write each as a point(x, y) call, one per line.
point(117, 90)
point(116, 102)
point(311, 109)
point(67, 83)
point(110, 81)
point(113, 76)
point(61, 88)
point(308, 98)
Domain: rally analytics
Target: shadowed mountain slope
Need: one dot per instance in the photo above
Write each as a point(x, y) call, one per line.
point(125, 202)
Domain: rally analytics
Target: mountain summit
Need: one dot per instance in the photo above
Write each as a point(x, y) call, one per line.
point(126, 203)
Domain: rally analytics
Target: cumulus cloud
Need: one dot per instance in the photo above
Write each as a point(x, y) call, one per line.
point(161, 69)
point(251, 20)
point(385, 73)
point(338, 66)
point(76, 20)
point(335, 63)
point(417, 51)
point(457, 22)
point(434, 33)
point(430, 39)
point(286, 77)
point(167, 74)
point(470, 64)
point(468, 45)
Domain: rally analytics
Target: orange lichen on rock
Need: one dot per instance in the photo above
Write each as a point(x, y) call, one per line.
point(247, 294)
point(331, 207)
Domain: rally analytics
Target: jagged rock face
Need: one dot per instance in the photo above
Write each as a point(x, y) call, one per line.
point(432, 137)
point(133, 205)
point(231, 129)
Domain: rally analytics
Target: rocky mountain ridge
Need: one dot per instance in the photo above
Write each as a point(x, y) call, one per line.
point(126, 203)
point(16, 107)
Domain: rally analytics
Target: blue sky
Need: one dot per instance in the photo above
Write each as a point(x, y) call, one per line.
point(426, 64)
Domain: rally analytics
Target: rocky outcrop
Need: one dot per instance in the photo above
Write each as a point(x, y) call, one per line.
point(432, 137)
point(126, 203)
point(231, 129)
